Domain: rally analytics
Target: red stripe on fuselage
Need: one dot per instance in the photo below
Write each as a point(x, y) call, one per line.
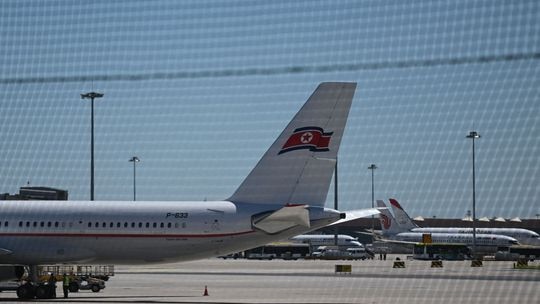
point(124, 235)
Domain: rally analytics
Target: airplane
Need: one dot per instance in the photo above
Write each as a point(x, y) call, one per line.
point(283, 196)
point(393, 232)
point(316, 240)
point(523, 236)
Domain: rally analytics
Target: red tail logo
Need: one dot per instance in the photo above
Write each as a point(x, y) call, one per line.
point(386, 221)
point(312, 138)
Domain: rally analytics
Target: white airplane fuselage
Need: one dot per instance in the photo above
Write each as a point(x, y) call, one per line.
point(523, 236)
point(122, 232)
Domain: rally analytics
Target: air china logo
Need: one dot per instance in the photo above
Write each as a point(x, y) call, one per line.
point(385, 221)
point(312, 138)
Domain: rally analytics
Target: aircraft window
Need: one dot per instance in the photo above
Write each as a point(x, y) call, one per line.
point(89, 224)
point(27, 224)
point(161, 225)
point(6, 224)
point(49, 224)
point(154, 225)
point(97, 225)
point(20, 224)
point(169, 225)
point(140, 225)
point(147, 225)
point(118, 225)
point(132, 225)
point(42, 224)
point(111, 225)
point(55, 224)
point(125, 225)
point(35, 224)
point(104, 225)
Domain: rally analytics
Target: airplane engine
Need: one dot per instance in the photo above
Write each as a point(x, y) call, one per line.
point(11, 272)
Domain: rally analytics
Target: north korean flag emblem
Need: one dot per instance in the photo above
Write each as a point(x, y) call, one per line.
point(312, 138)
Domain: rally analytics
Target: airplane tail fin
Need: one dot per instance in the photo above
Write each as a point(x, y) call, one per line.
point(298, 167)
point(403, 219)
point(389, 225)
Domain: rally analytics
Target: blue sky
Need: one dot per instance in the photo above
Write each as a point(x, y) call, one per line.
point(200, 89)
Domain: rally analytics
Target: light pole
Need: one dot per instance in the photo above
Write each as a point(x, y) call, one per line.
point(134, 160)
point(92, 96)
point(473, 135)
point(336, 199)
point(372, 168)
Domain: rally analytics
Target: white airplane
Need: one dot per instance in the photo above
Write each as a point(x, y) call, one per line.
point(395, 233)
point(523, 236)
point(283, 196)
point(316, 240)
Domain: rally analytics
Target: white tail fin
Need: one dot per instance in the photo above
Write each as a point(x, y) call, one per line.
point(298, 167)
point(403, 219)
point(389, 224)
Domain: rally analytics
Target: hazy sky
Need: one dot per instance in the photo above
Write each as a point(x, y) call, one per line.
point(198, 90)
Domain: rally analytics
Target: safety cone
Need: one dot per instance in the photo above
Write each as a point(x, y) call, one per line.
point(205, 291)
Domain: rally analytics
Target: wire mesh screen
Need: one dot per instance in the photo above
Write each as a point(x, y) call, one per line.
point(198, 90)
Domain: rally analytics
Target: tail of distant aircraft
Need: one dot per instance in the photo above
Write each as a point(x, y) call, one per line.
point(403, 219)
point(389, 225)
point(298, 167)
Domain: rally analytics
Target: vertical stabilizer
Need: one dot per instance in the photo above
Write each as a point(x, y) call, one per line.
point(403, 219)
point(298, 167)
point(389, 224)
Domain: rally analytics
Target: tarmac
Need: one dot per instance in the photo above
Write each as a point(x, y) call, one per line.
point(314, 281)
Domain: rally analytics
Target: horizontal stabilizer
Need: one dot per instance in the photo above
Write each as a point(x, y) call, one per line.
point(5, 251)
point(356, 214)
point(283, 219)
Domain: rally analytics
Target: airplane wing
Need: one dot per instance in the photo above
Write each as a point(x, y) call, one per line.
point(356, 214)
point(397, 242)
point(4, 251)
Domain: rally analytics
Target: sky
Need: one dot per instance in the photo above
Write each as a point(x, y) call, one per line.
point(198, 90)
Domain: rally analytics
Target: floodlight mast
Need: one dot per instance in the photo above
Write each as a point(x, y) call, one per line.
point(92, 96)
point(473, 135)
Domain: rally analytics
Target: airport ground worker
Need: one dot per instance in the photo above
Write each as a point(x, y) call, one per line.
point(65, 285)
point(52, 286)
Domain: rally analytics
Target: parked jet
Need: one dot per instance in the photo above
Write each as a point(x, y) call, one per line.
point(523, 236)
point(316, 240)
point(395, 233)
point(283, 196)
